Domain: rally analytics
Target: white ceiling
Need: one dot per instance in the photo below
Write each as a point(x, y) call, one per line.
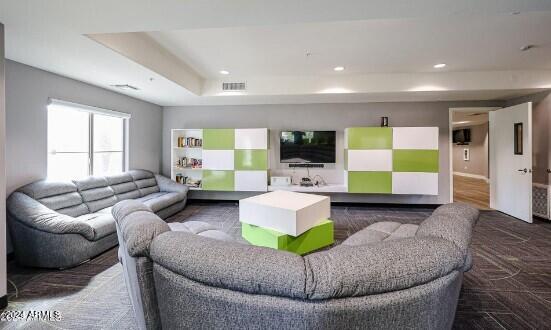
point(267, 41)
point(470, 118)
point(473, 43)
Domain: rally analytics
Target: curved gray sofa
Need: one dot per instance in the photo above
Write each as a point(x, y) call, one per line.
point(382, 277)
point(62, 224)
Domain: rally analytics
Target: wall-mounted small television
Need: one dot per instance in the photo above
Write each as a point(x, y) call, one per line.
point(300, 147)
point(462, 136)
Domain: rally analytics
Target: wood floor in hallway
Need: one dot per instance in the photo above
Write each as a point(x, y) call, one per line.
point(472, 191)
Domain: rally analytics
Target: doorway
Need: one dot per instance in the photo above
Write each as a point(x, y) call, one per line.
point(501, 141)
point(470, 156)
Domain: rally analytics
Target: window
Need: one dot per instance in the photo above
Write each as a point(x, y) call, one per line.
point(85, 141)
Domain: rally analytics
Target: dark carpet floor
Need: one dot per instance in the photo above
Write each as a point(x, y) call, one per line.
point(509, 286)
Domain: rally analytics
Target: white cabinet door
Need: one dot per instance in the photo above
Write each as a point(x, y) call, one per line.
point(251, 138)
point(251, 181)
point(415, 183)
point(415, 138)
point(370, 160)
point(218, 159)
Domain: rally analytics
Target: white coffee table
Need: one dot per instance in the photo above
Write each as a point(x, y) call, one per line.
point(287, 212)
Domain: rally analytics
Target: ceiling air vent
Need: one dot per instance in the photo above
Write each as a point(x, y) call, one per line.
point(233, 86)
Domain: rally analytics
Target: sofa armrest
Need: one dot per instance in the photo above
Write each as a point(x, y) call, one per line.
point(36, 215)
point(167, 185)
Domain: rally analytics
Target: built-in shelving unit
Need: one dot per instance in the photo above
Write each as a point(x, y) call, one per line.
point(226, 159)
point(191, 176)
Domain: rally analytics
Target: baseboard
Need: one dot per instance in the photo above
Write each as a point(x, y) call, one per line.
point(474, 176)
point(364, 204)
point(4, 302)
point(388, 205)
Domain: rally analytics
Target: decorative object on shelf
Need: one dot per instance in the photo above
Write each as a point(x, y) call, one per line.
point(280, 181)
point(384, 121)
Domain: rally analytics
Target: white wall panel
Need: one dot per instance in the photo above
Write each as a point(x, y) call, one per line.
point(218, 159)
point(251, 138)
point(370, 160)
point(415, 137)
point(415, 183)
point(251, 180)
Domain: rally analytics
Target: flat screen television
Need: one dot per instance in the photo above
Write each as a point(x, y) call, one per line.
point(307, 147)
point(462, 136)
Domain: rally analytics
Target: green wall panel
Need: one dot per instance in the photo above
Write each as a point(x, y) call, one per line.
point(415, 161)
point(218, 180)
point(218, 139)
point(370, 138)
point(251, 160)
point(315, 238)
point(370, 182)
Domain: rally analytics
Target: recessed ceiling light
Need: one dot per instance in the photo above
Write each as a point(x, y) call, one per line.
point(440, 65)
point(338, 68)
point(224, 72)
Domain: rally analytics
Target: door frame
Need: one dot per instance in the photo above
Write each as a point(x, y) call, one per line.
point(450, 139)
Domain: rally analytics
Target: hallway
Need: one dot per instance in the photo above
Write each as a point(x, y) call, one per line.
point(475, 192)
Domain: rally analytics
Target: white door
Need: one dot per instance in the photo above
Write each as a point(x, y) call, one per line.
point(511, 161)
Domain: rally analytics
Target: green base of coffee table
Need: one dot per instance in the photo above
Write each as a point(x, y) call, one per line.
point(315, 238)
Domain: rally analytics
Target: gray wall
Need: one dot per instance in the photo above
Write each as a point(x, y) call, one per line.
point(478, 153)
point(541, 137)
point(27, 93)
point(320, 117)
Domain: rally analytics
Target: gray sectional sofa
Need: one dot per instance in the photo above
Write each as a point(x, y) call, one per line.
point(62, 224)
point(387, 276)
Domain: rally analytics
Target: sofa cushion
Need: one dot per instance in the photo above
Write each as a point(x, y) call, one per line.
point(94, 196)
point(145, 181)
point(459, 211)
point(103, 224)
point(62, 201)
point(36, 215)
point(124, 187)
point(75, 211)
point(138, 226)
point(381, 231)
point(230, 265)
point(200, 228)
point(352, 271)
point(44, 188)
point(151, 196)
point(91, 183)
point(161, 202)
point(449, 228)
point(119, 178)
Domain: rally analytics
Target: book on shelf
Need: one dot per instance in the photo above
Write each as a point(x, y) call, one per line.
point(186, 162)
point(194, 183)
point(189, 142)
